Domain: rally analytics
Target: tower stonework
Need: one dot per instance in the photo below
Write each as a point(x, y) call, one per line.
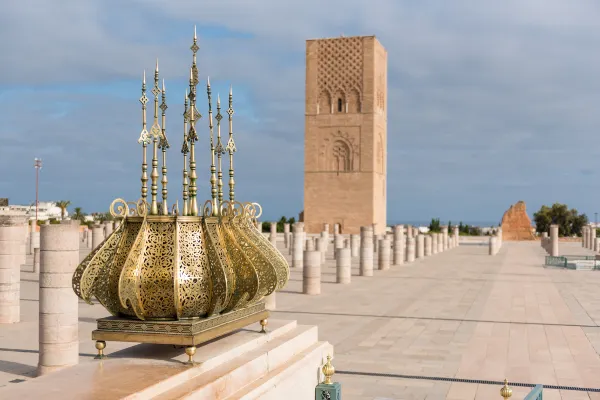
point(345, 143)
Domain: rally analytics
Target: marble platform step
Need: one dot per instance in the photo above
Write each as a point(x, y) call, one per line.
point(293, 380)
point(260, 367)
point(225, 366)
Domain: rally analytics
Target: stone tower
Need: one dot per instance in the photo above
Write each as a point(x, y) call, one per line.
point(345, 143)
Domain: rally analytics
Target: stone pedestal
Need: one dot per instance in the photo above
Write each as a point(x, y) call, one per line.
point(310, 244)
point(320, 247)
point(366, 251)
point(336, 229)
point(271, 301)
point(355, 245)
point(493, 245)
point(428, 245)
point(311, 274)
point(399, 244)
point(59, 256)
point(34, 241)
point(97, 236)
point(338, 243)
point(420, 246)
point(36, 260)
point(273, 234)
point(108, 229)
point(297, 246)
point(286, 234)
point(384, 254)
point(410, 249)
point(11, 247)
point(343, 266)
point(434, 243)
point(554, 240)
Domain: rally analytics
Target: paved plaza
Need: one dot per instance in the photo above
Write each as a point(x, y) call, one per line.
point(459, 314)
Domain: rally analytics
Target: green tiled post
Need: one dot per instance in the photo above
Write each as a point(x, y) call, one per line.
point(328, 390)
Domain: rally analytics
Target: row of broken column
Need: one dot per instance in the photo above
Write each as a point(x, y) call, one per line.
point(589, 239)
point(404, 244)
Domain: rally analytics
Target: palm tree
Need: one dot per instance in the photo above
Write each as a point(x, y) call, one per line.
point(63, 204)
point(78, 214)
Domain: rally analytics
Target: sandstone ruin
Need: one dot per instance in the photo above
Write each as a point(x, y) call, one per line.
point(516, 224)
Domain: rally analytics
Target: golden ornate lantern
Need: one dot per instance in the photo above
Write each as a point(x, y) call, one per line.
point(181, 278)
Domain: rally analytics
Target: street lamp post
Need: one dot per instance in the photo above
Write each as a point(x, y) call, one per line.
point(38, 165)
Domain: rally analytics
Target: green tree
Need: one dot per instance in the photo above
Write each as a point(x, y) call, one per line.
point(569, 221)
point(78, 214)
point(434, 225)
point(63, 204)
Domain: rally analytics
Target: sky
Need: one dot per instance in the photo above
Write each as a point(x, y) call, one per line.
point(489, 102)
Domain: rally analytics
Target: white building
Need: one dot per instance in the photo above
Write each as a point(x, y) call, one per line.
point(46, 210)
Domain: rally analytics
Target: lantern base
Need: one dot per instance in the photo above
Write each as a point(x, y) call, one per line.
point(189, 332)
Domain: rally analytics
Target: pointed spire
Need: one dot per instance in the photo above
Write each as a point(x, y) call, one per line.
point(156, 65)
point(219, 150)
point(195, 37)
point(144, 139)
point(185, 150)
point(144, 80)
point(231, 147)
point(213, 169)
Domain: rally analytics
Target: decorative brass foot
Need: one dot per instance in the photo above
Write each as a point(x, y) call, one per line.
point(100, 345)
point(263, 324)
point(190, 351)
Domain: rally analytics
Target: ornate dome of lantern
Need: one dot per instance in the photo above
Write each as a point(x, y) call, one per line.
point(162, 265)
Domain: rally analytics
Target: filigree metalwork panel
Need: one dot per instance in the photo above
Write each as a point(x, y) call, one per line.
point(218, 266)
point(129, 279)
point(101, 260)
point(246, 277)
point(276, 260)
point(194, 278)
point(157, 271)
point(107, 283)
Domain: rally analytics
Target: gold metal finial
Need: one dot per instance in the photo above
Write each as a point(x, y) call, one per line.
point(155, 134)
point(506, 391)
point(185, 150)
point(231, 147)
point(219, 150)
point(163, 144)
point(328, 371)
point(144, 139)
point(193, 116)
point(213, 169)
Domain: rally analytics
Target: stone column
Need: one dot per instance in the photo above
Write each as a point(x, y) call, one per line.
point(399, 244)
point(326, 228)
point(355, 245)
point(291, 242)
point(493, 246)
point(366, 251)
point(420, 246)
point(434, 243)
point(97, 236)
point(59, 324)
point(409, 231)
point(554, 239)
point(498, 234)
point(271, 302)
point(320, 247)
point(108, 229)
point(583, 236)
point(11, 247)
point(336, 229)
point(286, 234)
point(89, 238)
point(338, 243)
point(597, 245)
point(273, 234)
point(427, 245)
point(310, 244)
point(343, 266)
point(36, 260)
point(444, 238)
point(456, 234)
point(384, 254)
point(410, 249)
point(311, 274)
point(297, 245)
point(34, 237)
point(440, 242)
point(592, 237)
point(375, 243)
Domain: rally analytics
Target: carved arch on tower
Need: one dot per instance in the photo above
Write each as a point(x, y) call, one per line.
point(339, 102)
point(354, 101)
point(341, 156)
point(324, 103)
